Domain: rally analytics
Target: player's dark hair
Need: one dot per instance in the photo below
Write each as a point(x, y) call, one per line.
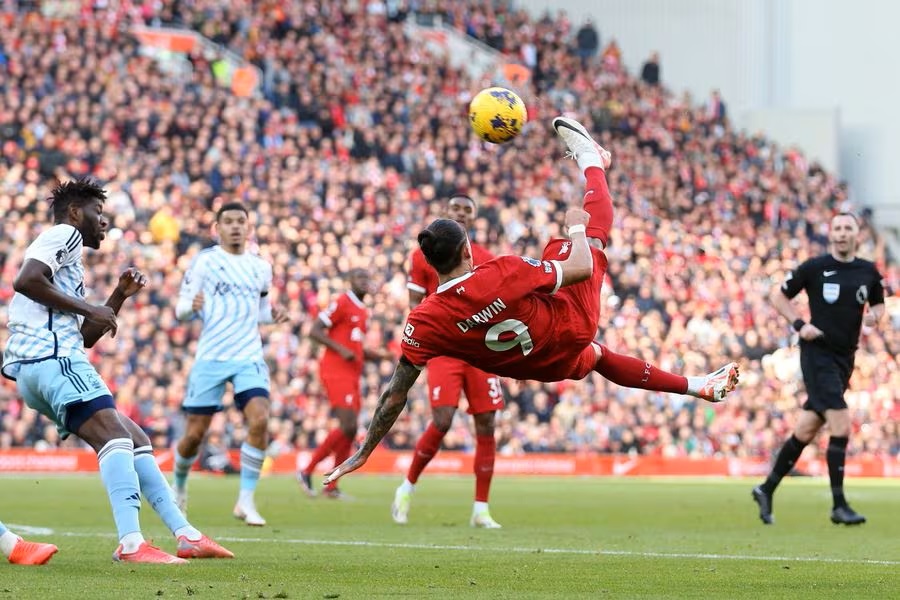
point(461, 196)
point(77, 192)
point(849, 214)
point(231, 206)
point(441, 243)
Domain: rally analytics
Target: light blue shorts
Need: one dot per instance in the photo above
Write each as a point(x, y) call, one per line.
point(206, 384)
point(55, 385)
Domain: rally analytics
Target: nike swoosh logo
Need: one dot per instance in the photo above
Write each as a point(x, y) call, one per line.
point(829, 273)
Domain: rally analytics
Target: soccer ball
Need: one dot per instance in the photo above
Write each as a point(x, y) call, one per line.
point(497, 115)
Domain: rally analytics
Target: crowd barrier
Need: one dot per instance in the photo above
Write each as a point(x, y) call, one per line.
point(396, 462)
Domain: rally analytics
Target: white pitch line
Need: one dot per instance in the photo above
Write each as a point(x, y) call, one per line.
point(524, 550)
point(29, 529)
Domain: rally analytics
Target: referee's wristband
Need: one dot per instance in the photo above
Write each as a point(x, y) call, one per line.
point(576, 229)
point(798, 325)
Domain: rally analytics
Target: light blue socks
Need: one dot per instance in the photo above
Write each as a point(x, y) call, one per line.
point(116, 461)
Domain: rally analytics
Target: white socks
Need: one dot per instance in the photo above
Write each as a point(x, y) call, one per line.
point(408, 487)
point(131, 542)
point(586, 160)
point(695, 384)
point(480, 507)
point(245, 497)
point(189, 532)
point(8, 541)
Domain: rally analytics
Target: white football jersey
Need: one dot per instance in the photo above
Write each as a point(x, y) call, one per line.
point(37, 332)
point(235, 291)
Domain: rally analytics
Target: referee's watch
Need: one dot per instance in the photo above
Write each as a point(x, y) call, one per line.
point(798, 325)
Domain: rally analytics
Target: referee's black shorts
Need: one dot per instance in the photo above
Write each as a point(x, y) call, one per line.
point(826, 375)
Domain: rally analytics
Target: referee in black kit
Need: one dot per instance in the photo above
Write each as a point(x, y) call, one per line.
point(838, 285)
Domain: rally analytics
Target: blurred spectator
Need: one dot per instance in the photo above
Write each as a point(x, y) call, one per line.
point(650, 70)
point(715, 110)
point(612, 57)
point(587, 42)
point(164, 226)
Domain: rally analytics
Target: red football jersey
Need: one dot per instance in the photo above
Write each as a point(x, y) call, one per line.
point(347, 322)
point(424, 279)
point(506, 318)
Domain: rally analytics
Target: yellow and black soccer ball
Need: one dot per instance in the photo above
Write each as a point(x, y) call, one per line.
point(497, 115)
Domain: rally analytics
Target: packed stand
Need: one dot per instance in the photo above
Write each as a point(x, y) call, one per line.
point(358, 135)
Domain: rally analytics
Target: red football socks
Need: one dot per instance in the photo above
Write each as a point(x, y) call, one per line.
point(485, 448)
point(633, 372)
point(598, 203)
point(328, 445)
point(342, 449)
point(426, 448)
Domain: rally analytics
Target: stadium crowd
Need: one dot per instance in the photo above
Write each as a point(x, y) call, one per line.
point(358, 132)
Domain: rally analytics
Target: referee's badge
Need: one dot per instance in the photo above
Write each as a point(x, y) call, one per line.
point(831, 291)
point(862, 294)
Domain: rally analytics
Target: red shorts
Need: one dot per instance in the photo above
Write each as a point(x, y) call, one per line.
point(448, 377)
point(578, 315)
point(342, 390)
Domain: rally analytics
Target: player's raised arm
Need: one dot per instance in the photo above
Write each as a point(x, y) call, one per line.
point(580, 264)
point(130, 283)
point(390, 405)
point(34, 282)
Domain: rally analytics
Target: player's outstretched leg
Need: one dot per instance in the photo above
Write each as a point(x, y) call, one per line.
point(593, 160)
point(713, 387)
point(583, 148)
point(628, 371)
point(22, 552)
point(191, 542)
point(120, 478)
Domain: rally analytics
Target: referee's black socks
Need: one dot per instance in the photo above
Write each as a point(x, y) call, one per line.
point(787, 457)
point(836, 455)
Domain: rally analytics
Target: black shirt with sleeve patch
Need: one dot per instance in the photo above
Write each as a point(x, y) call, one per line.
point(838, 292)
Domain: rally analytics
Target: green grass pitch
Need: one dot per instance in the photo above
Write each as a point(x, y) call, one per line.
point(562, 538)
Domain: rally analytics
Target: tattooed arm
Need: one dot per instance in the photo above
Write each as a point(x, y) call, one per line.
point(390, 405)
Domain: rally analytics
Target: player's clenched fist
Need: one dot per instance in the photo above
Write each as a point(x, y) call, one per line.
point(576, 216)
point(197, 304)
point(810, 332)
point(104, 316)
